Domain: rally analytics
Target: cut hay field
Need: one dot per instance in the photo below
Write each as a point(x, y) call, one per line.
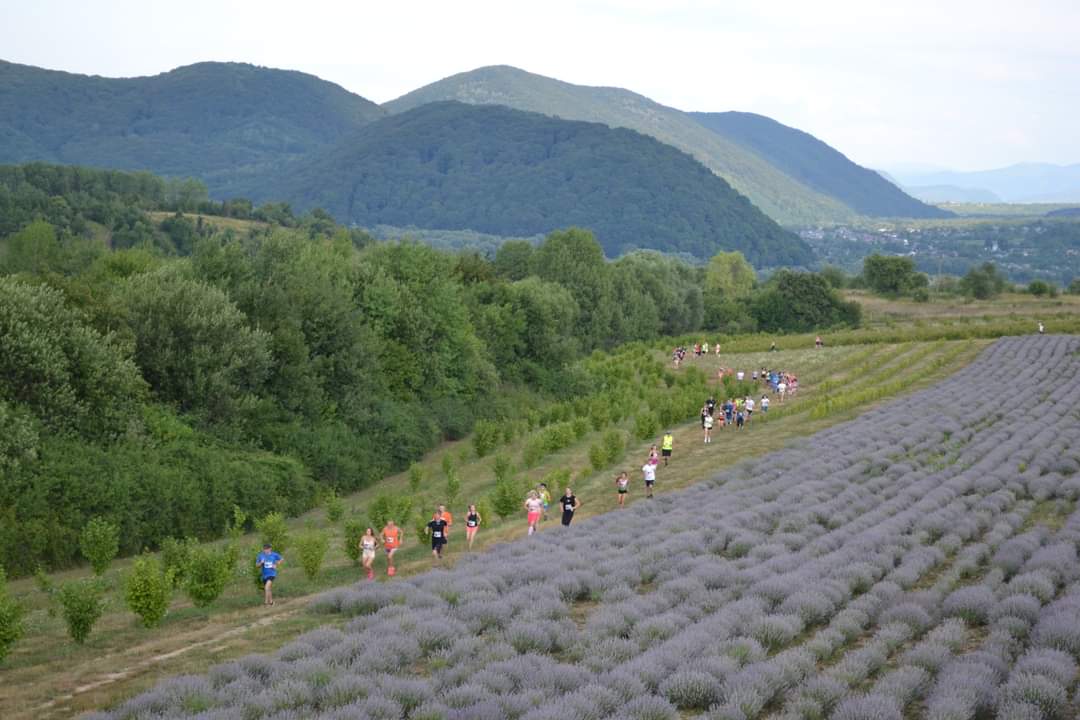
point(47, 676)
point(919, 560)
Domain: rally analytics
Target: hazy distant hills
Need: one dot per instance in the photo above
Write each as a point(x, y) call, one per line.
point(952, 193)
point(210, 120)
point(501, 171)
point(1022, 183)
point(780, 196)
point(810, 161)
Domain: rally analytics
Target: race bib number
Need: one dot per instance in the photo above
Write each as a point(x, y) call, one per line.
point(437, 534)
point(269, 564)
point(569, 508)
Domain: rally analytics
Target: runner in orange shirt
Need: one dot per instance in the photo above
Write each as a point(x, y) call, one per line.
point(391, 537)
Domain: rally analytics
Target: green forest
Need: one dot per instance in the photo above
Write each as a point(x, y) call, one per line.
point(158, 369)
point(214, 121)
point(495, 170)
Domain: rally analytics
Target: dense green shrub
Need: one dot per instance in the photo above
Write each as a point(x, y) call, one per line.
point(387, 507)
point(416, 477)
point(486, 435)
point(614, 444)
point(335, 507)
point(506, 498)
point(646, 425)
point(453, 487)
point(11, 627)
point(311, 549)
point(207, 573)
point(1039, 288)
point(99, 543)
point(175, 556)
point(273, 529)
point(81, 605)
point(147, 590)
point(354, 529)
point(598, 457)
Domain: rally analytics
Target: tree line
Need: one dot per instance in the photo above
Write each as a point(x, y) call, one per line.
point(158, 384)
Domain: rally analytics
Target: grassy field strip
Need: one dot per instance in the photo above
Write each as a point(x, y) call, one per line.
point(45, 672)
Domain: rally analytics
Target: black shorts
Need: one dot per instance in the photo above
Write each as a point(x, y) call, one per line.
point(567, 517)
point(438, 545)
point(666, 452)
point(649, 483)
point(622, 491)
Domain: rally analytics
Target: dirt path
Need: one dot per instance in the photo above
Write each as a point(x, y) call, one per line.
point(60, 705)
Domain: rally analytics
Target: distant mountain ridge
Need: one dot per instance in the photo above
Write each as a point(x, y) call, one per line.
point(501, 171)
point(209, 120)
point(817, 165)
point(1020, 183)
point(778, 195)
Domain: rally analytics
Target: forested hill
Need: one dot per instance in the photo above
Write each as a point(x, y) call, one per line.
point(817, 165)
point(215, 121)
point(782, 197)
point(501, 171)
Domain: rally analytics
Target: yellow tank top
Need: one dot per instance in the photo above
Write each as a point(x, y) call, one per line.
point(669, 441)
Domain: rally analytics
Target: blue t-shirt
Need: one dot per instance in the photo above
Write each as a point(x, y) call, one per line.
point(268, 562)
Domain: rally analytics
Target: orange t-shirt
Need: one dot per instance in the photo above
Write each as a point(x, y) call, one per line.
point(391, 538)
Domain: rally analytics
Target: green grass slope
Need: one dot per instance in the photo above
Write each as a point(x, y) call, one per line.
point(506, 172)
point(817, 165)
point(216, 121)
point(781, 197)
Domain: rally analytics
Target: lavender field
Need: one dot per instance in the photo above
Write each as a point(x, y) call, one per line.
point(917, 562)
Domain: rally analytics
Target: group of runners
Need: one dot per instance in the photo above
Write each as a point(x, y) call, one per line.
point(699, 349)
point(734, 411)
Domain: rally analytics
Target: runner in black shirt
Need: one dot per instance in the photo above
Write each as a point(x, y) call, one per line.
point(437, 530)
point(568, 503)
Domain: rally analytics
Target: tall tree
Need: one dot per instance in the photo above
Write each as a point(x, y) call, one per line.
point(573, 258)
point(730, 275)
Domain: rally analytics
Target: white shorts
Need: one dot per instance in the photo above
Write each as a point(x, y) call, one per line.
point(369, 554)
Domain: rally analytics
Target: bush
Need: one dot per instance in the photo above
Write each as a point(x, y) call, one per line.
point(175, 556)
point(354, 530)
point(614, 445)
point(207, 572)
point(453, 488)
point(486, 435)
point(1039, 288)
point(597, 457)
point(147, 590)
point(387, 507)
point(311, 548)
point(506, 497)
point(335, 507)
point(99, 542)
point(273, 529)
point(691, 690)
point(11, 627)
point(81, 606)
point(645, 425)
point(416, 477)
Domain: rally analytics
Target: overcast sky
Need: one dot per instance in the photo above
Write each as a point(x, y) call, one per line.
point(954, 83)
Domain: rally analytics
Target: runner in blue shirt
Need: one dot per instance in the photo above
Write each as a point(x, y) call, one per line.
point(268, 562)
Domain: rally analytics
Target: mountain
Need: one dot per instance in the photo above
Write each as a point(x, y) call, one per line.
point(496, 170)
point(780, 196)
point(216, 121)
point(1025, 182)
point(813, 163)
point(952, 193)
